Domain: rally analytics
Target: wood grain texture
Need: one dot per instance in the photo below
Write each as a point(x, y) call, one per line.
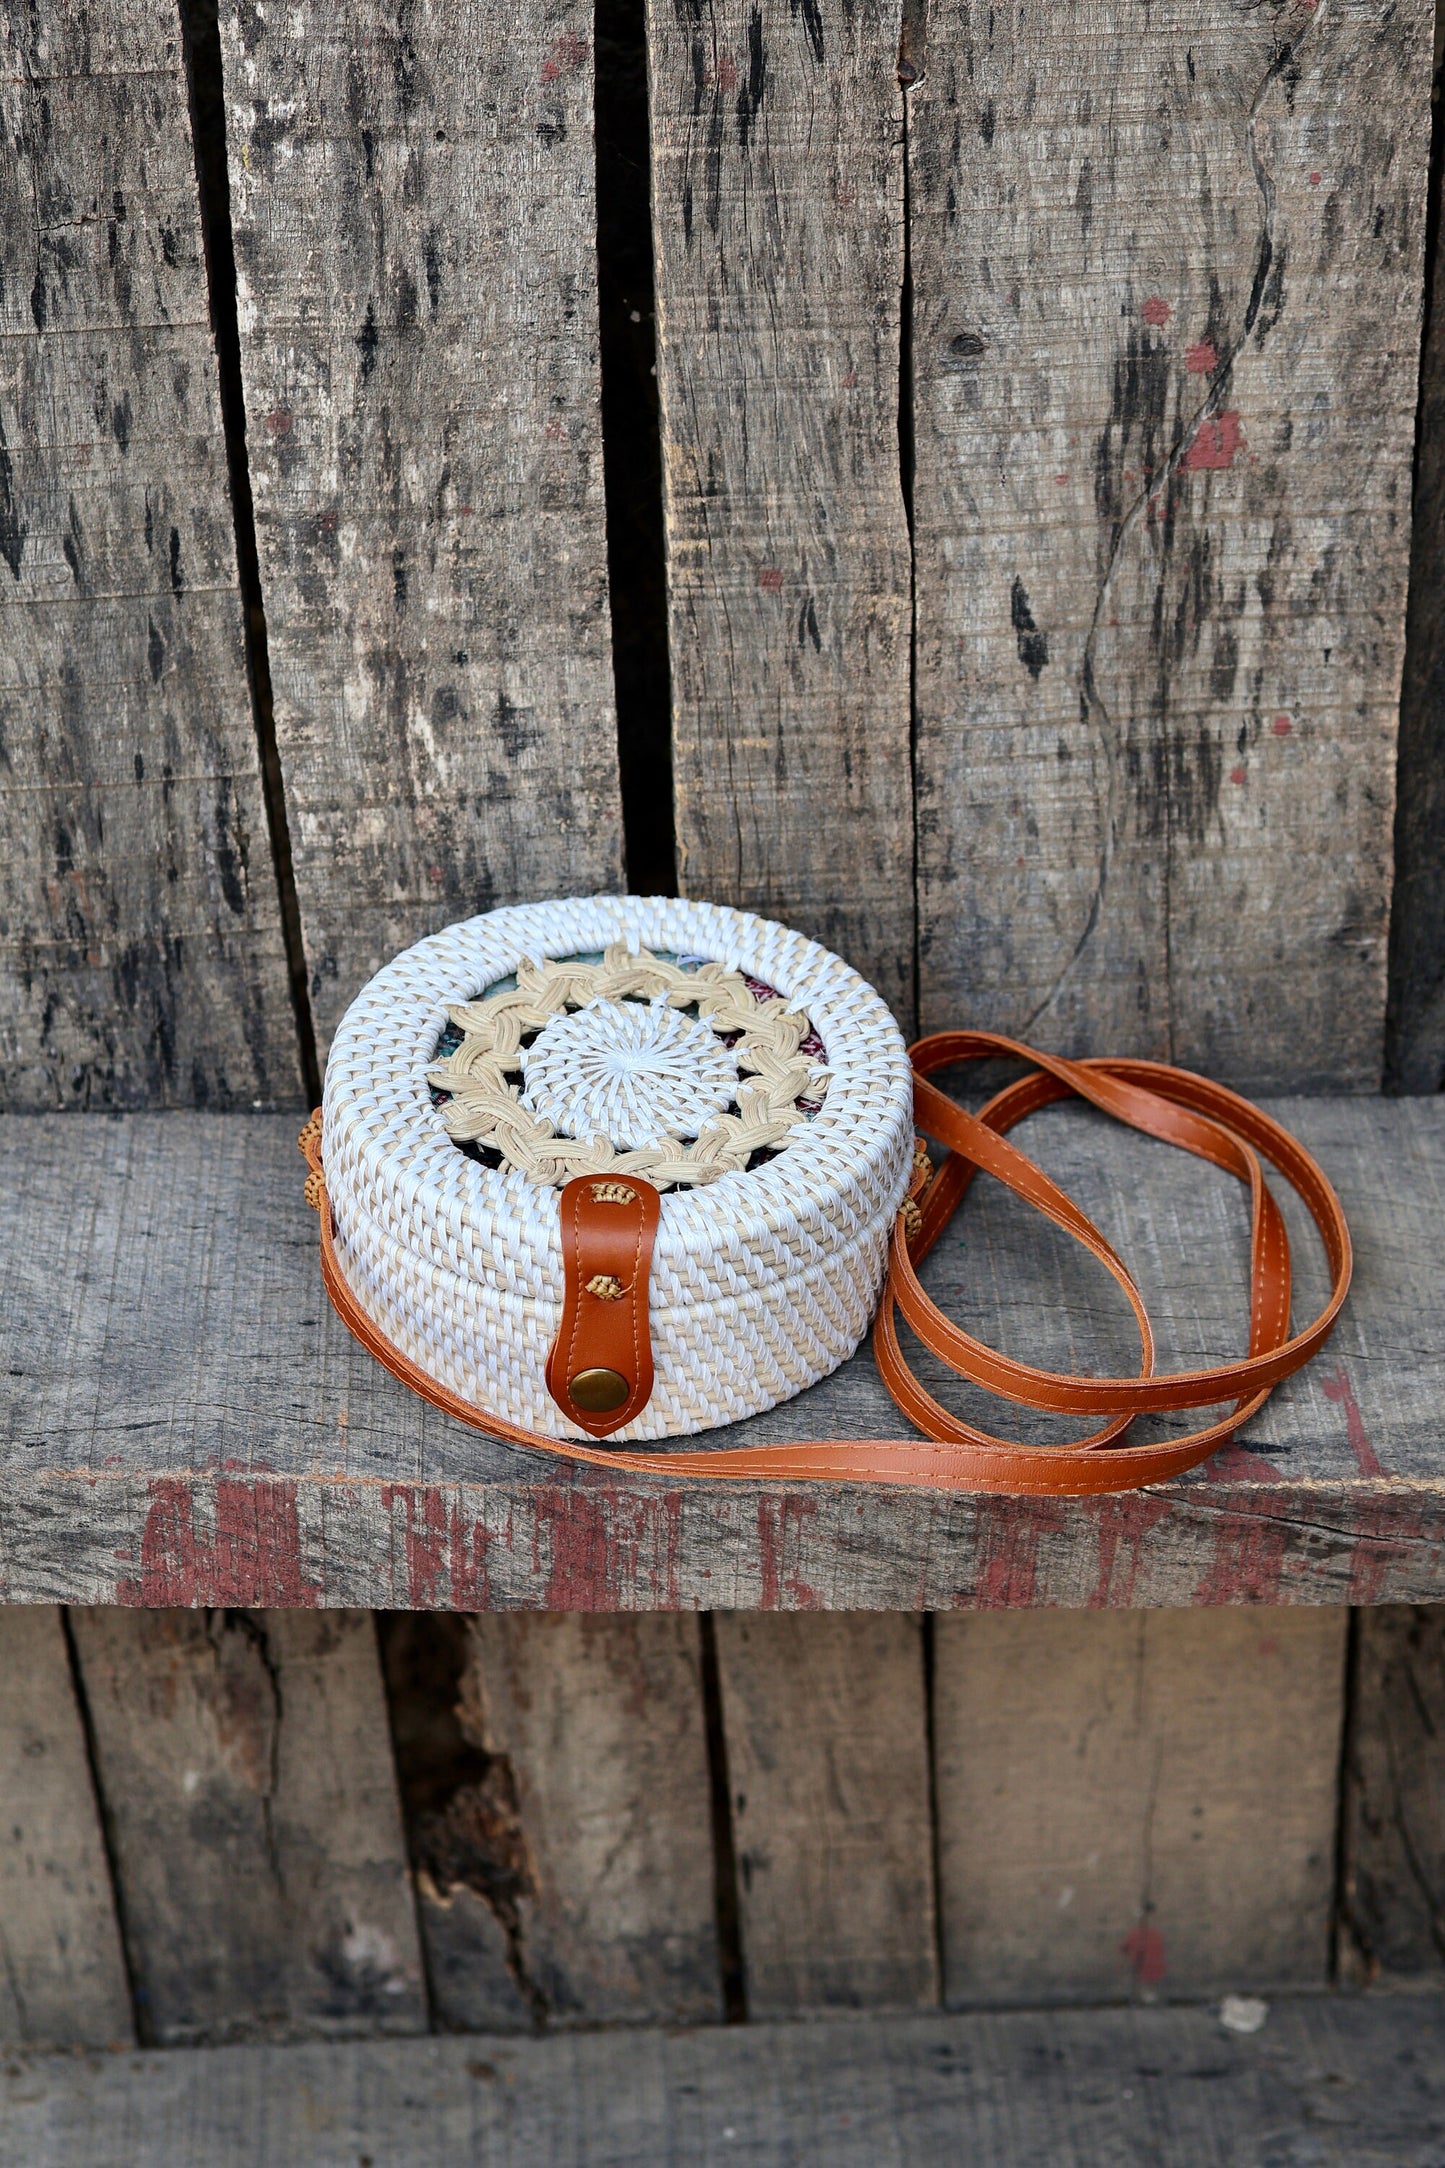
point(827, 1754)
point(778, 222)
point(599, 1724)
point(1142, 1803)
point(1393, 1913)
point(62, 1975)
point(1329, 2083)
point(184, 1421)
point(248, 1786)
point(1167, 264)
point(554, 1779)
point(1415, 1023)
point(141, 958)
point(412, 198)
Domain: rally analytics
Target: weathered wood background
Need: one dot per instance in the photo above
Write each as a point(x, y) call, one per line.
point(1036, 445)
point(225, 1825)
point(1036, 427)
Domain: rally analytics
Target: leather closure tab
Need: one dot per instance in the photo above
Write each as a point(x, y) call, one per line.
point(599, 1370)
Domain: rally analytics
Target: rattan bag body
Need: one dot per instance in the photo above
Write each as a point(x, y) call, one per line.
point(743, 1071)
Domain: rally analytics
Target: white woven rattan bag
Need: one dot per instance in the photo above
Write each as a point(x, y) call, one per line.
point(743, 1080)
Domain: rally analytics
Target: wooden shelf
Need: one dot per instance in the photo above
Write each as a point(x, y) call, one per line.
point(1327, 2079)
point(186, 1422)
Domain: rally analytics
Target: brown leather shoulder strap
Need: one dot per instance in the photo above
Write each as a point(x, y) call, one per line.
point(1164, 1102)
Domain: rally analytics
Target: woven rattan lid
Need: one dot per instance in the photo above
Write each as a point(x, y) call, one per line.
point(816, 1179)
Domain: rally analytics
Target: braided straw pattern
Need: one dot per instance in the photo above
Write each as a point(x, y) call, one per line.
point(637, 1076)
point(763, 1280)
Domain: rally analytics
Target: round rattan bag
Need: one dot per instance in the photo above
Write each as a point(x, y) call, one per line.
point(517, 1107)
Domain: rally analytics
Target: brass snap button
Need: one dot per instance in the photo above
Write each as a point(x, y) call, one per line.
point(598, 1391)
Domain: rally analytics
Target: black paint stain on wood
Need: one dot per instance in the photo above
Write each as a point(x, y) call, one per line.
point(632, 443)
point(366, 340)
point(1033, 644)
point(750, 97)
point(812, 23)
point(202, 42)
point(1136, 435)
point(13, 529)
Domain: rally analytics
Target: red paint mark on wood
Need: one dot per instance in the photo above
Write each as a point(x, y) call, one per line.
point(1201, 358)
point(1125, 1519)
point(1217, 443)
point(1339, 1389)
point(1157, 311)
point(1281, 726)
point(569, 1536)
point(598, 1549)
point(471, 1580)
point(1248, 1561)
point(727, 72)
point(568, 53)
point(1396, 1540)
point(1007, 1561)
point(1239, 775)
point(781, 1522)
point(770, 579)
point(1061, 479)
point(254, 1557)
point(424, 1545)
point(555, 430)
point(1315, 179)
point(1144, 1948)
point(278, 421)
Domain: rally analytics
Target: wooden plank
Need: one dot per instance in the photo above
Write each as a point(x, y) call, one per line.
point(1167, 263)
point(827, 1753)
point(1392, 1924)
point(595, 1825)
point(249, 1789)
point(414, 224)
point(141, 957)
point(1141, 1803)
point(1415, 1022)
point(1335, 2083)
point(62, 1975)
point(777, 189)
point(183, 1420)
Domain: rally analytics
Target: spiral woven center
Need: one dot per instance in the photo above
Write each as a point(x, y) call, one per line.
point(629, 1073)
